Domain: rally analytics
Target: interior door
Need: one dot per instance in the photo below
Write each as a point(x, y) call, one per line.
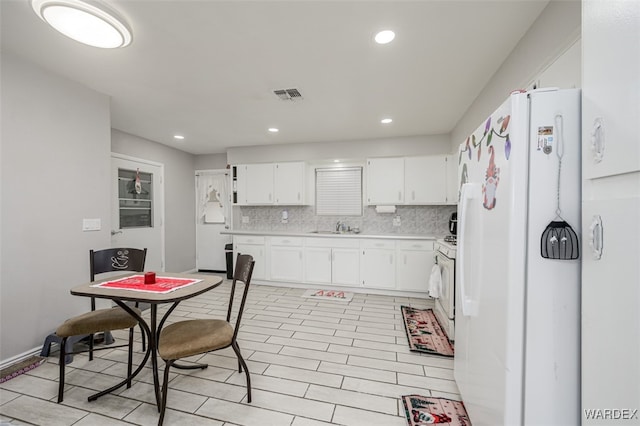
point(213, 212)
point(137, 208)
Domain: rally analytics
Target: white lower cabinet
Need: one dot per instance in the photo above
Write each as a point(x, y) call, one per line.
point(285, 259)
point(378, 264)
point(385, 264)
point(415, 261)
point(332, 261)
point(254, 246)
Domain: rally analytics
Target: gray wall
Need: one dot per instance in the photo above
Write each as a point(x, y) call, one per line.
point(179, 196)
point(556, 29)
point(344, 150)
point(211, 162)
point(55, 171)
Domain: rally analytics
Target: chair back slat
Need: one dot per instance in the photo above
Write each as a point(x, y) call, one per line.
point(242, 272)
point(116, 259)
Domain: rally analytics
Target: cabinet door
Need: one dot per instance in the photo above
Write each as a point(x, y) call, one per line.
point(317, 265)
point(425, 179)
point(345, 266)
point(610, 88)
point(414, 269)
point(257, 251)
point(378, 268)
point(259, 184)
point(452, 179)
point(289, 183)
point(285, 263)
point(385, 181)
point(610, 297)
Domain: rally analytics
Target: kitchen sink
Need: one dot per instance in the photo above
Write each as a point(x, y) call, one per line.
point(325, 232)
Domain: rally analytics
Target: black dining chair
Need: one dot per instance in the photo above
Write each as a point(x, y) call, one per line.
point(101, 320)
point(194, 337)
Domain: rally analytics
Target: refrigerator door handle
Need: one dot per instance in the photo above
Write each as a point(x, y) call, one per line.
point(469, 191)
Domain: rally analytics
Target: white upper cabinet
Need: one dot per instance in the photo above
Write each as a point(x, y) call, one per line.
point(270, 184)
point(428, 179)
point(260, 184)
point(289, 183)
point(452, 179)
point(385, 181)
point(611, 91)
point(425, 179)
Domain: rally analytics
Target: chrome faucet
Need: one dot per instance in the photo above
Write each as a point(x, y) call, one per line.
point(338, 226)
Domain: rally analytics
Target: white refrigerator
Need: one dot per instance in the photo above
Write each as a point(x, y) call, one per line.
point(517, 355)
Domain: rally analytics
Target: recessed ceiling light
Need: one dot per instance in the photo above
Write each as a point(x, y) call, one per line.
point(179, 137)
point(384, 37)
point(90, 22)
point(273, 130)
point(336, 161)
point(386, 120)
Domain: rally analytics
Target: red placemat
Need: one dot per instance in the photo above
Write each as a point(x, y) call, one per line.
point(136, 283)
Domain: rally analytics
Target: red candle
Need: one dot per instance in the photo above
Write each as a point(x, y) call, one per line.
point(150, 278)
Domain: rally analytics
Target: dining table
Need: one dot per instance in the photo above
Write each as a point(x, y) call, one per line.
point(122, 291)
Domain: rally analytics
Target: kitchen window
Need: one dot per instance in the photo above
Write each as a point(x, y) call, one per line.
point(339, 191)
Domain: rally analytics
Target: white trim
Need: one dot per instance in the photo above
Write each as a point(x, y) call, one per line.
point(162, 200)
point(21, 357)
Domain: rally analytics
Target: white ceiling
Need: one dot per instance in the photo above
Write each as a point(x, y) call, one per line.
point(207, 69)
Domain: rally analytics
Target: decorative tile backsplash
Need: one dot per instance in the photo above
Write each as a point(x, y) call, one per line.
point(424, 220)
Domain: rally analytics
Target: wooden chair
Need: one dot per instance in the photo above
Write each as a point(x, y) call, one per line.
point(102, 320)
point(194, 337)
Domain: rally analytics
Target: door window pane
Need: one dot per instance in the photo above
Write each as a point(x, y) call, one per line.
point(135, 197)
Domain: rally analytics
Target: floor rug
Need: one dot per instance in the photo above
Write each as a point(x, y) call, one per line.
point(21, 367)
point(342, 296)
point(425, 333)
point(426, 410)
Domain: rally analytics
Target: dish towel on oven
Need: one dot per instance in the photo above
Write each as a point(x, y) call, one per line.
point(435, 282)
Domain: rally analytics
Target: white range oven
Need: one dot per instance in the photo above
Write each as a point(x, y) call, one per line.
point(445, 304)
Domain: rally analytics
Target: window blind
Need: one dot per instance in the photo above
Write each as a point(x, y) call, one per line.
point(339, 192)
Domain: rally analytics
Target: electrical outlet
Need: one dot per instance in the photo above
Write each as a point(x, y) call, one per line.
point(245, 219)
point(396, 221)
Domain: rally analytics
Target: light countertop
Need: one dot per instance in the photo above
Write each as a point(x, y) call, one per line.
point(329, 234)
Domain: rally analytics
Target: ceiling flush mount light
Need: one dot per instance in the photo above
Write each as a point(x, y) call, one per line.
point(386, 120)
point(88, 22)
point(384, 37)
point(178, 137)
point(273, 130)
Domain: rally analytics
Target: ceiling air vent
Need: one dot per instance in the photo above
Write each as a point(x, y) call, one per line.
point(288, 94)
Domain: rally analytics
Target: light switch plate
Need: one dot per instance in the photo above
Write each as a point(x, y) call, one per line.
point(91, 225)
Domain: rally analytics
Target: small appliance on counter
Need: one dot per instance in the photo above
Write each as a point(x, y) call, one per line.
point(453, 223)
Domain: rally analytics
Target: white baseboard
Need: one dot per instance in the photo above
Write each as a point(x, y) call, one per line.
point(20, 357)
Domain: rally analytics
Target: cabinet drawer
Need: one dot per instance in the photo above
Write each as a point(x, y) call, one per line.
point(416, 245)
point(378, 244)
point(286, 241)
point(248, 239)
point(332, 242)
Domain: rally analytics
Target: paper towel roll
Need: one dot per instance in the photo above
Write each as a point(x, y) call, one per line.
point(385, 209)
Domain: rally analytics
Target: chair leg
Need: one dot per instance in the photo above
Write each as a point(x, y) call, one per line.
point(165, 387)
point(236, 349)
point(130, 358)
point(91, 347)
point(62, 364)
point(144, 336)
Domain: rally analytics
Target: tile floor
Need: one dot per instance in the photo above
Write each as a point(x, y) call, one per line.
point(312, 363)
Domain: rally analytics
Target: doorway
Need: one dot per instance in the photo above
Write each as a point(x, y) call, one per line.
point(213, 212)
point(137, 207)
